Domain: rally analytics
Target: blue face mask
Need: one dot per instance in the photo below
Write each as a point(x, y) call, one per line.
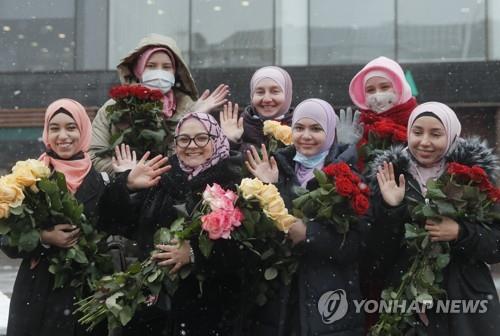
point(310, 161)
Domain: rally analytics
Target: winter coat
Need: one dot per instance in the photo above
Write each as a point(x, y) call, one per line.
point(253, 129)
point(467, 276)
point(185, 94)
point(323, 266)
point(36, 309)
point(193, 312)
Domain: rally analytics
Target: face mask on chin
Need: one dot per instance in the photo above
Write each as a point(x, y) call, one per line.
point(158, 79)
point(381, 101)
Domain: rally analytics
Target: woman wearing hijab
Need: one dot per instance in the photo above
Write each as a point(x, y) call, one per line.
point(270, 99)
point(400, 174)
point(36, 307)
point(157, 63)
point(202, 157)
point(327, 261)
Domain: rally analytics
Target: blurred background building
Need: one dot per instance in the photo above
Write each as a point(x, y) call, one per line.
point(69, 48)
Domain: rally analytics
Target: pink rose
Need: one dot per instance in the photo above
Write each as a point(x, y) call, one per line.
point(220, 223)
point(218, 198)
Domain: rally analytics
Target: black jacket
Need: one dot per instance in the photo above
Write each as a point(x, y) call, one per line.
point(36, 309)
point(467, 276)
point(194, 310)
point(323, 266)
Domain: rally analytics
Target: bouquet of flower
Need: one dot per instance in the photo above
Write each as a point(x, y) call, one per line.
point(279, 135)
point(341, 197)
point(32, 199)
point(379, 134)
point(138, 119)
point(462, 193)
point(253, 217)
point(118, 296)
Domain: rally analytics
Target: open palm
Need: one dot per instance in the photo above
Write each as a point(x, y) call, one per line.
point(264, 169)
point(392, 193)
point(147, 174)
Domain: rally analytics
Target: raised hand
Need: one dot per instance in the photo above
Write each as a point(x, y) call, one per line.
point(61, 235)
point(229, 122)
point(349, 129)
point(264, 169)
point(208, 102)
point(147, 174)
point(124, 159)
point(392, 193)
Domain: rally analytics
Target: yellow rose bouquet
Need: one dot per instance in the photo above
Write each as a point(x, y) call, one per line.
point(279, 135)
point(33, 199)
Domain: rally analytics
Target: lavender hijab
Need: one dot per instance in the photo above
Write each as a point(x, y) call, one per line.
point(324, 114)
point(452, 127)
point(281, 77)
point(219, 141)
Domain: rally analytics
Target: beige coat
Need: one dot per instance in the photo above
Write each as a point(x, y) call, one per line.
point(185, 94)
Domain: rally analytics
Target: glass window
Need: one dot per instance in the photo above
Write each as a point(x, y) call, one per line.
point(494, 30)
point(354, 31)
point(229, 33)
point(131, 20)
point(291, 32)
point(37, 35)
point(445, 30)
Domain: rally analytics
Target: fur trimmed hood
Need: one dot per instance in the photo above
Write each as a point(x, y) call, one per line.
point(469, 151)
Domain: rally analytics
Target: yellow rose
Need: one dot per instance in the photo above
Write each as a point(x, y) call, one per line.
point(24, 176)
point(251, 187)
point(284, 223)
point(4, 210)
point(268, 193)
point(276, 204)
point(38, 168)
point(270, 127)
point(284, 134)
point(10, 191)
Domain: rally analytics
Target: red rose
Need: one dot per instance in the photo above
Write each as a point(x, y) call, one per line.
point(360, 204)
point(364, 189)
point(477, 174)
point(156, 95)
point(344, 186)
point(384, 128)
point(119, 92)
point(458, 169)
point(399, 134)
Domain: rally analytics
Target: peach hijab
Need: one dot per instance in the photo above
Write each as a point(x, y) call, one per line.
point(74, 170)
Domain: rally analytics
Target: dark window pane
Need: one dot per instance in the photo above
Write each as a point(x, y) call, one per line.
point(37, 35)
point(232, 33)
point(352, 31)
point(445, 30)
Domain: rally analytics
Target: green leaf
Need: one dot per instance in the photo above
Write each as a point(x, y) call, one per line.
point(177, 225)
point(445, 208)
point(162, 236)
point(205, 245)
point(443, 260)
point(428, 275)
point(126, 315)
point(424, 298)
point(320, 176)
point(4, 227)
point(410, 231)
point(428, 212)
point(17, 211)
point(270, 273)
point(112, 305)
point(29, 240)
point(152, 277)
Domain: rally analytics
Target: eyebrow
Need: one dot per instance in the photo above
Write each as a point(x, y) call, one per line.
point(432, 129)
point(68, 124)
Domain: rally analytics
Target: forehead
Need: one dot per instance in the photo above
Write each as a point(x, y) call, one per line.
point(428, 122)
point(377, 80)
point(192, 126)
point(307, 122)
point(61, 119)
point(159, 57)
point(267, 83)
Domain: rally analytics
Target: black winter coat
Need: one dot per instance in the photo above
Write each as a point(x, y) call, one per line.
point(36, 309)
point(467, 276)
point(211, 309)
point(323, 266)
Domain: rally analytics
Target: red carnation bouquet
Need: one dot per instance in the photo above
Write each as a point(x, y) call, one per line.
point(463, 193)
point(137, 117)
point(340, 198)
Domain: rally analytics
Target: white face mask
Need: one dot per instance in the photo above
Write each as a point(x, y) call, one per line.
point(158, 79)
point(381, 101)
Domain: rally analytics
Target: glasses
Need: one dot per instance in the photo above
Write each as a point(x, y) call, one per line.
point(200, 140)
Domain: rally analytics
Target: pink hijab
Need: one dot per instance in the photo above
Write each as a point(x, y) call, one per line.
point(74, 170)
point(382, 67)
point(169, 103)
point(281, 77)
point(452, 127)
point(219, 140)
